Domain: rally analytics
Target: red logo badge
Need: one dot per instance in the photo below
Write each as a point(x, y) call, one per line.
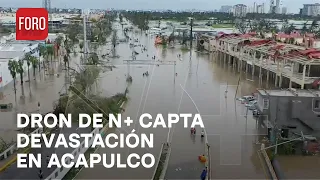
point(32, 24)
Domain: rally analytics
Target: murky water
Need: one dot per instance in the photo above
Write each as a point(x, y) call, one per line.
point(299, 167)
point(45, 88)
point(230, 134)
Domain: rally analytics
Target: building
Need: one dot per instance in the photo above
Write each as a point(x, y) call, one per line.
point(293, 111)
point(260, 9)
point(311, 9)
point(284, 10)
point(240, 10)
point(274, 6)
point(226, 9)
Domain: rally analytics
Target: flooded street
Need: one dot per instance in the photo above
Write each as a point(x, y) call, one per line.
point(230, 134)
point(45, 89)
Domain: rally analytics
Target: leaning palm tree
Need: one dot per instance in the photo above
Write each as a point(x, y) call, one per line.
point(20, 70)
point(27, 58)
point(34, 61)
point(12, 67)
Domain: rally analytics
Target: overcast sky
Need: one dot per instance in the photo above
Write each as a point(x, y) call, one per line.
point(292, 5)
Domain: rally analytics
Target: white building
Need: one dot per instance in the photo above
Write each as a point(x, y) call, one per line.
point(10, 49)
point(275, 6)
point(240, 10)
point(260, 9)
point(226, 9)
point(311, 9)
point(284, 10)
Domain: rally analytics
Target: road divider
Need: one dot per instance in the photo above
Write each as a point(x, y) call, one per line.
point(60, 173)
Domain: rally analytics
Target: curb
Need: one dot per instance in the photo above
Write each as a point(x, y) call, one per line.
point(122, 105)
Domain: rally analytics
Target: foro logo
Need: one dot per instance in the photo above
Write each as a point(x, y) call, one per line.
point(31, 24)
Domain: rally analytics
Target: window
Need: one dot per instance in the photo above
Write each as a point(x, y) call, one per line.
point(265, 103)
point(316, 104)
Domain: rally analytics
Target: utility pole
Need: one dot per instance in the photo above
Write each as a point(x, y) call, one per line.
point(85, 41)
point(191, 36)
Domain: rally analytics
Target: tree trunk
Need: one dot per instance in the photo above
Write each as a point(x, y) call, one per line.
point(34, 71)
point(14, 85)
point(28, 74)
point(39, 63)
point(21, 78)
point(44, 63)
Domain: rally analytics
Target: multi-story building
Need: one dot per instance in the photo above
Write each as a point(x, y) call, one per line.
point(284, 10)
point(260, 8)
point(292, 110)
point(226, 9)
point(274, 6)
point(311, 9)
point(240, 10)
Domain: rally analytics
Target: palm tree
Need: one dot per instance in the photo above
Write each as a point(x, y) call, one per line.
point(59, 41)
point(50, 52)
point(304, 28)
point(20, 70)
point(12, 67)
point(42, 52)
point(81, 45)
point(27, 58)
point(34, 61)
point(314, 26)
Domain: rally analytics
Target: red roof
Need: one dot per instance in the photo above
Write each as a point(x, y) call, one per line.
point(315, 55)
point(278, 47)
point(308, 51)
point(259, 42)
point(246, 36)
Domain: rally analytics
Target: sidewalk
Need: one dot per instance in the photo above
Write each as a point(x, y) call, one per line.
point(184, 162)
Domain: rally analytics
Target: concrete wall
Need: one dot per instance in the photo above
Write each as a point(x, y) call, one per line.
point(290, 110)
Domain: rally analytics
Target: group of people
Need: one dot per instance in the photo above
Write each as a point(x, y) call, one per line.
point(193, 131)
point(146, 74)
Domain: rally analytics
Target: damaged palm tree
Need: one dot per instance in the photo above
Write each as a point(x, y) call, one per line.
point(81, 97)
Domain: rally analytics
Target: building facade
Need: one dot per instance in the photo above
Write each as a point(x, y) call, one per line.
point(226, 9)
point(297, 111)
point(275, 6)
point(284, 10)
point(311, 9)
point(240, 10)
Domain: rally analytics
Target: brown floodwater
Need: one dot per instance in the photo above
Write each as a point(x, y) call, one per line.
point(231, 135)
point(45, 89)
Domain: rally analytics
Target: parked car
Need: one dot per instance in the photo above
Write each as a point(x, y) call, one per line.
point(251, 103)
point(245, 99)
